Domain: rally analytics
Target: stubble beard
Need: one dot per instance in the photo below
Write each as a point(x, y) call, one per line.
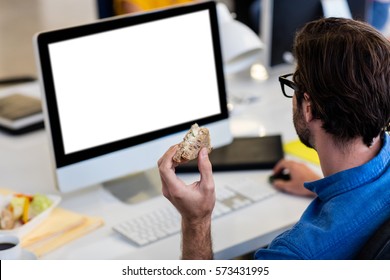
point(301, 128)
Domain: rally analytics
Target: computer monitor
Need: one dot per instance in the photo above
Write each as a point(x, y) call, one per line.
point(117, 93)
point(280, 19)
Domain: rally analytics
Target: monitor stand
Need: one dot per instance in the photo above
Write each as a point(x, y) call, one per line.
point(136, 188)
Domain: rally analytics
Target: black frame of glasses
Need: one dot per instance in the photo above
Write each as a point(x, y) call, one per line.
point(284, 81)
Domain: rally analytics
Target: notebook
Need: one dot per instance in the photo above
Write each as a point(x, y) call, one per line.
point(20, 113)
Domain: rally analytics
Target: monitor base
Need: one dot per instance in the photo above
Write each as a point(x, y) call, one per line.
point(136, 188)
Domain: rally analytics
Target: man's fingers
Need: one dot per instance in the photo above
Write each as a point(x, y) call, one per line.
point(167, 157)
point(282, 185)
point(166, 167)
point(282, 164)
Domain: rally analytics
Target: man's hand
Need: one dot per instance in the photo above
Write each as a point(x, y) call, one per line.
point(299, 173)
point(195, 202)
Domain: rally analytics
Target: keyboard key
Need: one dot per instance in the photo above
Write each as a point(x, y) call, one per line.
point(249, 189)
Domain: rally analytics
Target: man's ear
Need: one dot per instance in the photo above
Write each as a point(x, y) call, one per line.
point(307, 108)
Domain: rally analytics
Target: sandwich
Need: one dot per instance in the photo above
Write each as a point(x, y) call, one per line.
point(194, 140)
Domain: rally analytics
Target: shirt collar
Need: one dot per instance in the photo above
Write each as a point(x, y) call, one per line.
point(352, 178)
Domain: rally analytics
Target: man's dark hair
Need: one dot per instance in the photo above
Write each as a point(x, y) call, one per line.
point(344, 66)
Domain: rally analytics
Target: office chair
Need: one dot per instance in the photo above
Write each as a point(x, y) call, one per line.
point(378, 246)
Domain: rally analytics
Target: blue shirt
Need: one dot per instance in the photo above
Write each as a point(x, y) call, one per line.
point(349, 207)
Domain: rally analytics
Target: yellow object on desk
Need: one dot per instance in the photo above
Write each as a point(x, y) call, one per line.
point(60, 228)
point(297, 149)
point(127, 6)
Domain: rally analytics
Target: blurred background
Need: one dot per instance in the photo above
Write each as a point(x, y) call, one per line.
point(21, 19)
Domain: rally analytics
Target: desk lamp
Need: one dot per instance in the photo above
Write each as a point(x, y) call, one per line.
point(240, 45)
point(241, 48)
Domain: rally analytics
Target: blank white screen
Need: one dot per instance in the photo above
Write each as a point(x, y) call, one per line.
point(130, 81)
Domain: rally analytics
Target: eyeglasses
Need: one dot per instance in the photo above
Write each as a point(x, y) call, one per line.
point(291, 86)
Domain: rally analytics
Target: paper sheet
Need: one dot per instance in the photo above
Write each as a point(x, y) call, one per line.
point(60, 228)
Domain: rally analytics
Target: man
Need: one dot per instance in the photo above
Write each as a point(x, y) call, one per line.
point(341, 106)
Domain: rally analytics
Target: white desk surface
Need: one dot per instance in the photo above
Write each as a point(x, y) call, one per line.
point(25, 167)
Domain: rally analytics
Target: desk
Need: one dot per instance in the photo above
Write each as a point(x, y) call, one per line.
point(25, 167)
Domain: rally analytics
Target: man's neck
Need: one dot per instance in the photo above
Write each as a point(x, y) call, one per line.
point(336, 157)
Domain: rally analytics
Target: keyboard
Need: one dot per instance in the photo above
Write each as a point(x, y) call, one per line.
point(166, 221)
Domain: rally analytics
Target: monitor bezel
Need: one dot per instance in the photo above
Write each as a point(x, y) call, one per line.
point(44, 39)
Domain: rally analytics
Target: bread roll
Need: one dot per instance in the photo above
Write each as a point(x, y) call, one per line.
point(194, 140)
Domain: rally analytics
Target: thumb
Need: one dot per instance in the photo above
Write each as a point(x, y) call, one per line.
point(205, 167)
